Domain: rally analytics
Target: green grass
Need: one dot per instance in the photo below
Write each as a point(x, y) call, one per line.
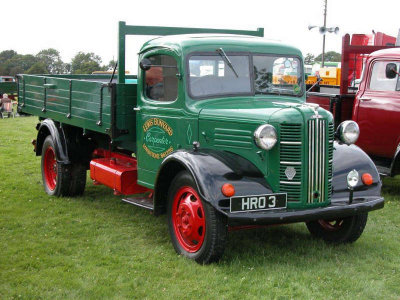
point(99, 247)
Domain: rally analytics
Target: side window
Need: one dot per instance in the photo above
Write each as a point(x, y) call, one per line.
point(379, 81)
point(161, 82)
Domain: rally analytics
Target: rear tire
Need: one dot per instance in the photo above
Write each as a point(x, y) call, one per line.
point(56, 176)
point(78, 179)
point(197, 230)
point(341, 231)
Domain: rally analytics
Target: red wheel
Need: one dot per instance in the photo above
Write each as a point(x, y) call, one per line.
point(334, 225)
point(188, 219)
point(197, 230)
point(344, 230)
point(50, 168)
point(56, 177)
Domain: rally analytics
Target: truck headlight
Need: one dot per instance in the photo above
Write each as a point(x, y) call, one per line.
point(352, 178)
point(348, 132)
point(265, 136)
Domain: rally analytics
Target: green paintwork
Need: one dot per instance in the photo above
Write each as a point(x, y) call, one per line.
point(124, 30)
point(158, 128)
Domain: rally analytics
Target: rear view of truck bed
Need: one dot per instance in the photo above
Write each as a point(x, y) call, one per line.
point(90, 102)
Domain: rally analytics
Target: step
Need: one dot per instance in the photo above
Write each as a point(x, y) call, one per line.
point(141, 201)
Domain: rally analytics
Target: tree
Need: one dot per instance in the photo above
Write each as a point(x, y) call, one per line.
point(330, 56)
point(38, 68)
point(51, 59)
point(6, 55)
point(19, 64)
point(86, 63)
point(111, 65)
point(309, 59)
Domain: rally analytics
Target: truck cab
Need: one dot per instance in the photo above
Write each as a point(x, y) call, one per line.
point(214, 132)
point(377, 109)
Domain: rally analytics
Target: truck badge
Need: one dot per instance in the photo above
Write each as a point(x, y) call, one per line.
point(290, 172)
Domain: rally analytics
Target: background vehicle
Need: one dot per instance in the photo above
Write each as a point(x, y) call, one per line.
point(374, 105)
point(8, 85)
point(212, 134)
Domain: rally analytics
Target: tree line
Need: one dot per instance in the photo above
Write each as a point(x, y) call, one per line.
point(48, 61)
point(330, 56)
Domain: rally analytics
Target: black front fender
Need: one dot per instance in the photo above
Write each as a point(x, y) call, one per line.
point(345, 159)
point(210, 170)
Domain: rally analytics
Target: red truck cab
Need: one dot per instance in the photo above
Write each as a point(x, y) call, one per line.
point(374, 104)
point(377, 109)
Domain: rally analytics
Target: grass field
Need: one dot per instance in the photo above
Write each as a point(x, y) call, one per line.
point(97, 247)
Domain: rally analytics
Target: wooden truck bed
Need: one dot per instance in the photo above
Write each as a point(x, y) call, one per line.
point(90, 102)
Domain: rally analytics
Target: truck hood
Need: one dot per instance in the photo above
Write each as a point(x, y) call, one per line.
point(259, 111)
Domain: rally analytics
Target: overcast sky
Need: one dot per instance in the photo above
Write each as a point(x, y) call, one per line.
point(29, 26)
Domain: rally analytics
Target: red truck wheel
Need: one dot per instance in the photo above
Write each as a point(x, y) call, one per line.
point(197, 230)
point(56, 177)
point(339, 231)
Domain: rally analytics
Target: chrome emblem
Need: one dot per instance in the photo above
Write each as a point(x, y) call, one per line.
point(290, 172)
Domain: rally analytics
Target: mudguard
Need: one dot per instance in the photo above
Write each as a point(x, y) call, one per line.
point(210, 169)
point(48, 127)
point(345, 159)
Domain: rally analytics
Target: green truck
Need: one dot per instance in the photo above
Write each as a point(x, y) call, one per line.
point(212, 132)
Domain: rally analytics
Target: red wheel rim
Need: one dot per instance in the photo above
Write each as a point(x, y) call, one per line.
point(188, 219)
point(333, 225)
point(50, 168)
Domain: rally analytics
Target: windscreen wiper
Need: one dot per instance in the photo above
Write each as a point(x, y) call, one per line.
point(228, 62)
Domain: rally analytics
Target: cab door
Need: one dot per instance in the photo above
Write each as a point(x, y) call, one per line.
point(379, 111)
point(161, 122)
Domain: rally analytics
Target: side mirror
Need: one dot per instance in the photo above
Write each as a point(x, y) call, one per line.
point(145, 64)
point(391, 70)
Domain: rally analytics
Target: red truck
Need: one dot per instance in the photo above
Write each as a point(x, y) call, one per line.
point(374, 104)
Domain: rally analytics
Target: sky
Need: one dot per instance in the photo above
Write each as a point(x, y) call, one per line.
point(29, 26)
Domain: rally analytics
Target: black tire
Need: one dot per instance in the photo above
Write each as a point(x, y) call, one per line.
point(57, 181)
point(78, 179)
point(212, 244)
point(341, 231)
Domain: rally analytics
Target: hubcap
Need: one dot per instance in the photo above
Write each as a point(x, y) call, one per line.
point(333, 225)
point(188, 219)
point(50, 168)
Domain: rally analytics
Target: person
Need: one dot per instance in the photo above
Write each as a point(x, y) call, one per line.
point(5, 104)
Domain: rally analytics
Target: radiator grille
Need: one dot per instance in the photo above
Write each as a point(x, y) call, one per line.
point(291, 157)
point(318, 171)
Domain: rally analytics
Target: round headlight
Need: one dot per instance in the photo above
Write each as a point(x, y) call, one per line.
point(348, 132)
point(352, 178)
point(265, 136)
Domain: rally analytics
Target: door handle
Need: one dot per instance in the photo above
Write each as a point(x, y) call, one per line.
point(365, 99)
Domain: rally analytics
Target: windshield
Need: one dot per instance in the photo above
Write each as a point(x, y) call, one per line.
point(211, 75)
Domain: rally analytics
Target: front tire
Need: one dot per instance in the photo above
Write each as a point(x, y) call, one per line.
point(340, 231)
point(197, 230)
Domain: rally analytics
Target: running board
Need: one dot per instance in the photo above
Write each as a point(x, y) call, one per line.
point(141, 201)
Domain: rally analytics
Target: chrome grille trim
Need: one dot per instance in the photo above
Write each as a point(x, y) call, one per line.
point(291, 143)
point(291, 182)
point(296, 163)
point(316, 159)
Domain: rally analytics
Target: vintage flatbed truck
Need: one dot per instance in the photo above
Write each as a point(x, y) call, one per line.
point(210, 134)
point(374, 104)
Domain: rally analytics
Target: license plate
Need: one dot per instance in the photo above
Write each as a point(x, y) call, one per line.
point(258, 202)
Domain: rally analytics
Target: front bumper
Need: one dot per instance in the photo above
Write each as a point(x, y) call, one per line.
point(337, 209)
